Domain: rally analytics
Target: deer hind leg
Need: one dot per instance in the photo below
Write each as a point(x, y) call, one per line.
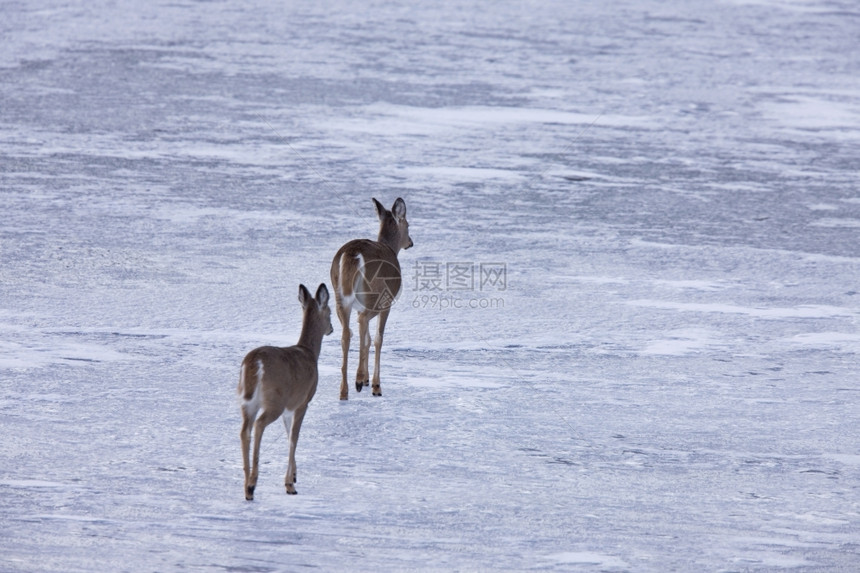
point(250, 406)
point(362, 377)
point(290, 477)
point(293, 434)
point(245, 435)
point(380, 330)
point(251, 483)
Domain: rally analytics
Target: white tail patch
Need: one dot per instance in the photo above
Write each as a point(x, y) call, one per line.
point(358, 284)
point(240, 389)
point(349, 300)
point(252, 405)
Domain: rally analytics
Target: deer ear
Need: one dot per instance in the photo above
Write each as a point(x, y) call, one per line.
point(322, 295)
point(380, 210)
point(304, 295)
point(399, 208)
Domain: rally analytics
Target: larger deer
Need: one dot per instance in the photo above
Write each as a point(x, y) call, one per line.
point(282, 381)
point(366, 274)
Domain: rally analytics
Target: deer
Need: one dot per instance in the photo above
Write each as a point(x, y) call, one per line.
point(276, 382)
point(365, 275)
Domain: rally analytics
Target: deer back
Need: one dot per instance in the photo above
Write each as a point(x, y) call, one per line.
point(280, 378)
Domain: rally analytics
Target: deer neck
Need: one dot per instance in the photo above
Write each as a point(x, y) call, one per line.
point(389, 235)
point(312, 333)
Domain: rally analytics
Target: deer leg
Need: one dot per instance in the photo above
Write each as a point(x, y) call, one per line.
point(245, 435)
point(343, 316)
point(264, 420)
point(380, 330)
point(361, 375)
point(290, 479)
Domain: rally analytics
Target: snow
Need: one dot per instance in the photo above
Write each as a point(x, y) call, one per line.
point(660, 376)
point(586, 558)
point(802, 311)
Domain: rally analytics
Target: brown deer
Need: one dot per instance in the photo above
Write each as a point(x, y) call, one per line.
point(281, 381)
point(365, 274)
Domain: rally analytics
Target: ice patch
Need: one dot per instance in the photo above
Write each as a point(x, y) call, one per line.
point(586, 558)
point(654, 244)
point(189, 214)
point(774, 560)
point(455, 174)
point(845, 342)
point(680, 342)
point(692, 284)
point(31, 483)
point(802, 311)
point(456, 116)
point(818, 258)
point(448, 381)
point(810, 113)
point(845, 459)
point(746, 187)
point(598, 280)
point(571, 175)
point(832, 223)
point(399, 120)
point(38, 354)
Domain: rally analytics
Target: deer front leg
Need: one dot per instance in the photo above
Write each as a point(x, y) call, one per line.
point(383, 317)
point(361, 375)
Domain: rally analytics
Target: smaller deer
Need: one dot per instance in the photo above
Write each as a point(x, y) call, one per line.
point(282, 381)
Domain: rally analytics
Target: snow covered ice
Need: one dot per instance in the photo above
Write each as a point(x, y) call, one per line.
point(628, 335)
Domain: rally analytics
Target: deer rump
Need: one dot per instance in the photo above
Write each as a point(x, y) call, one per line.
point(369, 276)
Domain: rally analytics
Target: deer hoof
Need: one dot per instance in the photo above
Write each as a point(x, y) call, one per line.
point(291, 490)
point(358, 386)
point(377, 391)
point(249, 493)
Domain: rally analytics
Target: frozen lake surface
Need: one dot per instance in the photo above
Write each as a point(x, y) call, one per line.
point(628, 335)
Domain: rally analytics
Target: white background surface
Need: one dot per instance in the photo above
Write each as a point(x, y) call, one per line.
point(667, 382)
